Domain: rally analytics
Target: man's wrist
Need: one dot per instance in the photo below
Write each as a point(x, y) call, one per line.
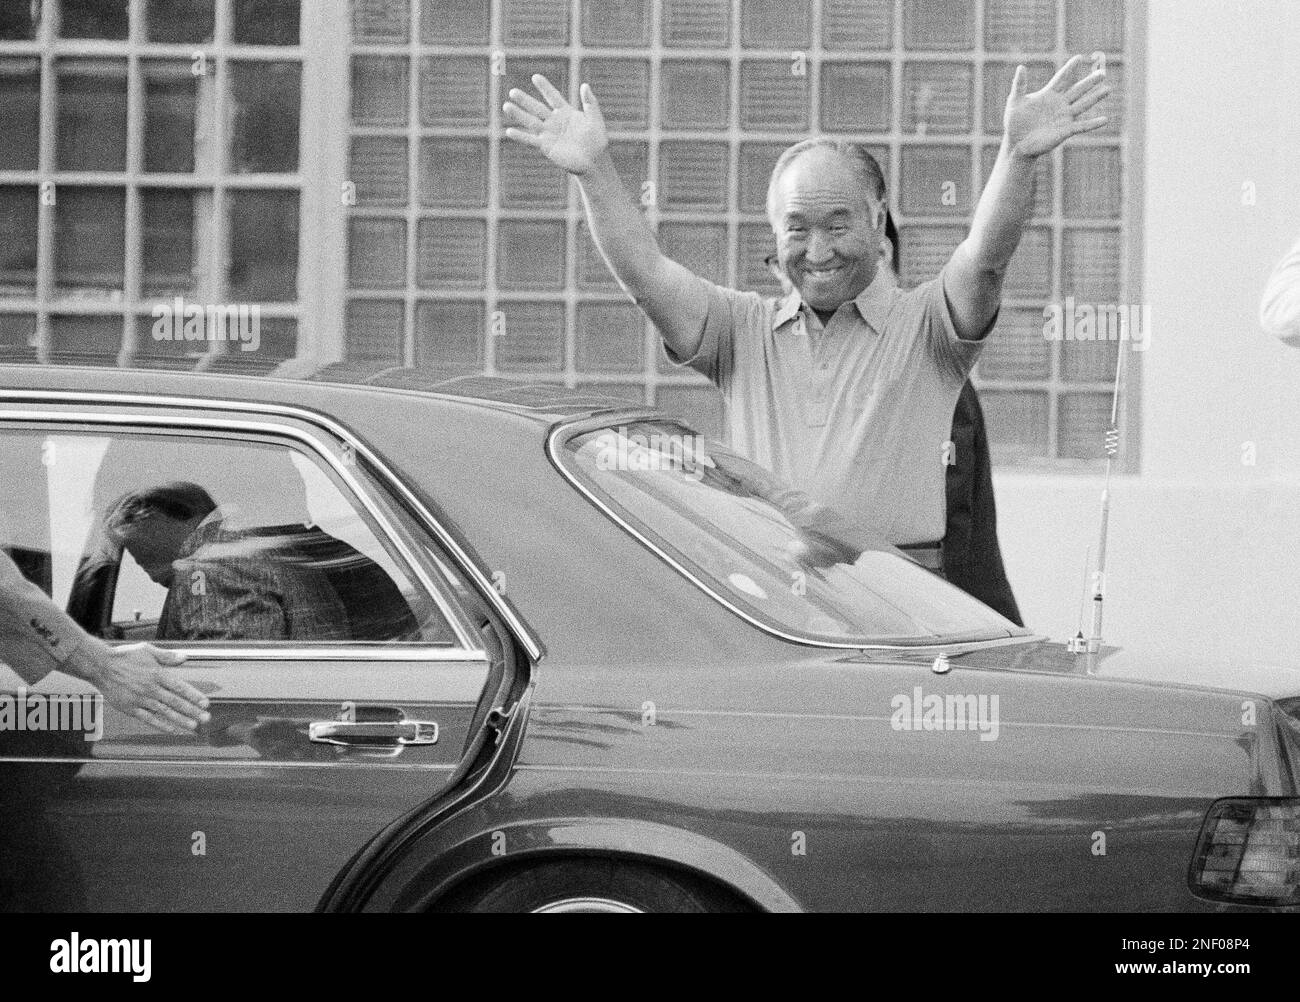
point(602, 171)
point(89, 660)
point(1015, 156)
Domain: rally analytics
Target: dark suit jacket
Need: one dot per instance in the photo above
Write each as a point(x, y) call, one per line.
point(972, 559)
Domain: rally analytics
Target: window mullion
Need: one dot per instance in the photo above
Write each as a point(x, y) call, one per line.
point(134, 227)
point(45, 219)
point(323, 169)
point(216, 291)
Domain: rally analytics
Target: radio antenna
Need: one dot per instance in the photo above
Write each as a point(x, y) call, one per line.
point(1088, 648)
point(1083, 589)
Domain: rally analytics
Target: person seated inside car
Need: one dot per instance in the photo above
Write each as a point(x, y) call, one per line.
point(223, 582)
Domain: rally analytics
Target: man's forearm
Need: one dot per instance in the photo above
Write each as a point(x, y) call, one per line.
point(39, 630)
point(620, 231)
point(1003, 210)
point(1033, 125)
point(974, 276)
point(575, 140)
point(664, 289)
point(49, 633)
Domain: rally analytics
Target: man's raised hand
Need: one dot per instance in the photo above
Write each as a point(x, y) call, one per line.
point(1035, 124)
point(575, 140)
point(570, 139)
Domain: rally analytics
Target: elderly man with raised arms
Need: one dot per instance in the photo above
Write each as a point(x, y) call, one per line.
point(845, 387)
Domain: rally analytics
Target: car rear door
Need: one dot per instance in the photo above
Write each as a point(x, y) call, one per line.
point(316, 741)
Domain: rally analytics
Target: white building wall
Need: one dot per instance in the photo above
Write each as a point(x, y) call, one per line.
point(1202, 546)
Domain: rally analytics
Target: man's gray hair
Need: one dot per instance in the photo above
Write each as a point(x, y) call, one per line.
point(872, 177)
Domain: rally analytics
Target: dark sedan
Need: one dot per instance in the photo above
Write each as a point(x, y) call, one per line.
point(483, 647)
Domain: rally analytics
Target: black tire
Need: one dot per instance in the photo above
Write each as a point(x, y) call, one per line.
point(590, 885)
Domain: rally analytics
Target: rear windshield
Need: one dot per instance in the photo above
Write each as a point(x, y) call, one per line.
point(769, 551)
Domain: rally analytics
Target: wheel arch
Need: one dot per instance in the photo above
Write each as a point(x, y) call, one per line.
point(469, 858)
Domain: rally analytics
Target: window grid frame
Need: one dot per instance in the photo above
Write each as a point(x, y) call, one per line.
point(215, 179)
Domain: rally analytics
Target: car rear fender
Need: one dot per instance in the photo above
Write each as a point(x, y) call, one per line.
point(464, 849)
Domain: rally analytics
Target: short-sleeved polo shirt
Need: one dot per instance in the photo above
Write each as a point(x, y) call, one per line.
point(855, 413)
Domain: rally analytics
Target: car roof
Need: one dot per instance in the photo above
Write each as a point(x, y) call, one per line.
point(310, 384)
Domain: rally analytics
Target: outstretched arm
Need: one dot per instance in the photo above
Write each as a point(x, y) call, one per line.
point(1033, 124)
point(575, 140)
point(137, 679)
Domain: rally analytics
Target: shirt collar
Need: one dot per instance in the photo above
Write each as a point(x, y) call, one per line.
point(787, 309)
point(873, 304)
point(213, 526)
point(875, 300)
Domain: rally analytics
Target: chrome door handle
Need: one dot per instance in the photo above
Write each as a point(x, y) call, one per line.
point(374, 734)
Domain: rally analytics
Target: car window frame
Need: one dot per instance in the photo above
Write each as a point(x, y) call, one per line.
point(335, 453)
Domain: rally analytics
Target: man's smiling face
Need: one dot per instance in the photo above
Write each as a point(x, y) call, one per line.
point(828, 229)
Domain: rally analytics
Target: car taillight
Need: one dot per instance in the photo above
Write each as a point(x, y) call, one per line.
point(1249, 852)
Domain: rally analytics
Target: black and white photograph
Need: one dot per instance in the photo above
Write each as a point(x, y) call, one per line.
point(634, 456)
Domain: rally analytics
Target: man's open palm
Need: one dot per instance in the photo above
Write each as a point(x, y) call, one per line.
point(1038, 123)
point(571, 139)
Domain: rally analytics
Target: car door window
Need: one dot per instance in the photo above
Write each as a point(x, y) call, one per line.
point(208, 538)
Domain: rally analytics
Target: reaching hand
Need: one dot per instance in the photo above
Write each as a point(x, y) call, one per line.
point(1038, 123)
point(137, 680)
point(816, 550)
point(570, 139)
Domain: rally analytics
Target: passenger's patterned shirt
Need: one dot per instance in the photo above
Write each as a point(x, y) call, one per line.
point(856, 413)
point(232, 585)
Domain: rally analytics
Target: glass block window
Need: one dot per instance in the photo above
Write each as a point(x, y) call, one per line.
point(151, 151)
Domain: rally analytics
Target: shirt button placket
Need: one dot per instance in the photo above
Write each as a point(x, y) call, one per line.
point(821, 383)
